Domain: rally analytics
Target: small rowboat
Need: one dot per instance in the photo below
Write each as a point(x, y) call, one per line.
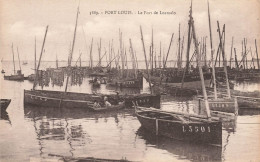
point(180, 127)
point(4, 104)
point(109, 108)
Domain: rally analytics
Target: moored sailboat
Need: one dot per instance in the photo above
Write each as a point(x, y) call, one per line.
point(180, 127)
point(17, 76)
point(223, 104)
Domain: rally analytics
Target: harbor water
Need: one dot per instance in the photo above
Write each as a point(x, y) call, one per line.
point(49, 134)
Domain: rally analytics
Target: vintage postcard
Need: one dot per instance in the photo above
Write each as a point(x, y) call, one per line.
point(136, 80)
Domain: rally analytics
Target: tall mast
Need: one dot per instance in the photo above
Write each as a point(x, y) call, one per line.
point(231, 52)
point(133, 58)
point(13, 57)
point(121, 54)
point(36, 76)
point(188, 47)
point(160, 60)
point(199, 66)
point(224, 60)
point(90, 54)
point(111, 50)
point(237, 66)
point(80, 60)
point(99, 52)
point(57, 65)
point(164, 64)
point(155, 64)
point(72, 49)
point(252, 58)
point(212, 56)
point(257, 55)
point(146, 60)
point(242, 55)
point(205, 51)
point(35, 55)
point(179, 49)
point(19, 59)
point(152, 52)
point(189, 41)
point(245, 55)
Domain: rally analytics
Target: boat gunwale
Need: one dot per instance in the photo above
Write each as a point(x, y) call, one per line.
point(188, 122)
point(59, 98)
point(97, 95)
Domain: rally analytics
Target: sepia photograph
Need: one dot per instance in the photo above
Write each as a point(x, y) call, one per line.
point(129, 80)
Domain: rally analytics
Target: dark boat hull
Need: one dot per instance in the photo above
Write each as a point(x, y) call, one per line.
point(197, 132)
point(80, 100)
point(4, 104)
point(15, 77)
point(127, 83)
point(188, 83)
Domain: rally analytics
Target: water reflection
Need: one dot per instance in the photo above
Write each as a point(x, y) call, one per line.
point(245, 86)
point(188, 105)
point(230, 126)
point(4, 116)
point(64, 128)
point(183, 150)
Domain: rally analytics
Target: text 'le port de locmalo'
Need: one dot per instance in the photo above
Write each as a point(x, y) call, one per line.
point(130, 13)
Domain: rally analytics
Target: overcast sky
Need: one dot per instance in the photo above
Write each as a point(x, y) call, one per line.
point(23, 20)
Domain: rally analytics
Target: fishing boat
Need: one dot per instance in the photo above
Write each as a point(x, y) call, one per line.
point(4, 104)
point(47, 98)
point(17, 76)
point(222, 105)
point(121, 105)
point(180, 127)
point(191, 80)
point(245, 100)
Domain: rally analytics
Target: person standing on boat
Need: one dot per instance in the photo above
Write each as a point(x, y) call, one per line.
point(96, 104)
point(106, 102)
